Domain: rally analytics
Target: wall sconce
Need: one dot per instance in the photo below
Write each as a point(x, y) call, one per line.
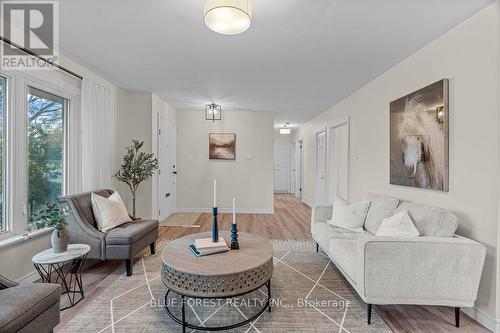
point(440, 114)
point(213, 112)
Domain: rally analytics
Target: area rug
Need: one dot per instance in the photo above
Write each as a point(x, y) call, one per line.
point(186, 220)
point(309, 294)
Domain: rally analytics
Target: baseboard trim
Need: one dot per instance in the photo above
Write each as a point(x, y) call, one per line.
point(226, 210)
point(29, 278)
point(483, 319)
point(308, 201)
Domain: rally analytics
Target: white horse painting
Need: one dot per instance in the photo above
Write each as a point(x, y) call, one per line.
point(422, 145)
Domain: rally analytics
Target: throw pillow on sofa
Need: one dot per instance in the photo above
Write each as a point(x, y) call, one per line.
point(398, 225)
point(109, 212)
point(348, 215)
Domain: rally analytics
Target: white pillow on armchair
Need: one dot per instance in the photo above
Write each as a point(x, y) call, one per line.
point(348, 215)
point(109, 212)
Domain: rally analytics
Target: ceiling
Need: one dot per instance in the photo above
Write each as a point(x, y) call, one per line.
point(298, 58)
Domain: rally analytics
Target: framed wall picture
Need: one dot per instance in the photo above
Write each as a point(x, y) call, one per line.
point(222, 146)
point(419, 138)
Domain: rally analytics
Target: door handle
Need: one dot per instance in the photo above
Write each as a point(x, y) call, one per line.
point(174, 172)
point(167, 195)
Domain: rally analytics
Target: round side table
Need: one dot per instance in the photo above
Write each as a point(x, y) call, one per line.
point(217, 276)
point(48, 262)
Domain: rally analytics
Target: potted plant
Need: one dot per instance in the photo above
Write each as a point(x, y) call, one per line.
point(50, 215)
point(137, 167)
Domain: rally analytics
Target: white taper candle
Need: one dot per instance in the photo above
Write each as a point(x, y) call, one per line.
point(234, 210)
point(215, 192)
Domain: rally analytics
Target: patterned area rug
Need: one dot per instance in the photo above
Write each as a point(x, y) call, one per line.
point(309, 294)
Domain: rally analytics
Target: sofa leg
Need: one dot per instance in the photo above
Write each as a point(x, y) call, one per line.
point(152, 247)
point(369, 314)
point(317, 247)
point(128, 267)
point(457, 317)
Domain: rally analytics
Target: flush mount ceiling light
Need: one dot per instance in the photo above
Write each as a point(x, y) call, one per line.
point(228, 17)
point(213, 112)
point(285, 129)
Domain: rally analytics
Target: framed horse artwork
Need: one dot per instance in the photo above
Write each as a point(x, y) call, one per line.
point(419, 138)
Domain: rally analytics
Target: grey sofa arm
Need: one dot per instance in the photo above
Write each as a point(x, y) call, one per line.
point(6, 283)
point(321, 213)
point(421, 270)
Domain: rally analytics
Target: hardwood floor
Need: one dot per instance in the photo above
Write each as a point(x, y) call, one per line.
point(291, 220)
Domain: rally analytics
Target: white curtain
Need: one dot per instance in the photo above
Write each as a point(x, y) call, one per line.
point(97, 136)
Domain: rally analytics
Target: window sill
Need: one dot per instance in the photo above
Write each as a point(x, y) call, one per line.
point(15, 239)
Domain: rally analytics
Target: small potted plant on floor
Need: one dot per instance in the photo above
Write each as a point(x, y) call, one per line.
point(51, 215)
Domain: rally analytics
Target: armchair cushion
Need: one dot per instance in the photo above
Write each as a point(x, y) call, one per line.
point(109, 212)
point(130, 232)
point(23, 304)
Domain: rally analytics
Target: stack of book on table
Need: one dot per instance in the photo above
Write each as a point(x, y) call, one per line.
point(204, 246)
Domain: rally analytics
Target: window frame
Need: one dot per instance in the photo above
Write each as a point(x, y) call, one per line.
point(16, 143)
point(65, 105)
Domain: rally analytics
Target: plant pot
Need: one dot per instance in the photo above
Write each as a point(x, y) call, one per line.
point(59, 240)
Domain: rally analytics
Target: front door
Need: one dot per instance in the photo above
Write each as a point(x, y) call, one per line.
point(166, 171)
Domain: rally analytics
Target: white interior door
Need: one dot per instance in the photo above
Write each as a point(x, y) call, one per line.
point(281, 169)
point(340, 161)
point(166, 171)
point(320, 197)
point(300, 169)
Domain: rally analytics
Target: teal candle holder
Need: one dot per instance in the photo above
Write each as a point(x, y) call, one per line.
point(215, 227)
point(234, 237)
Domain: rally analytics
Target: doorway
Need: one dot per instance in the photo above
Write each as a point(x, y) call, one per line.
point(281, 167)
point(339, 180)
point(320, 193)
point(167, 168)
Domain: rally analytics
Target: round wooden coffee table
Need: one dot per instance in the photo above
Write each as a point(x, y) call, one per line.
point(217, 276)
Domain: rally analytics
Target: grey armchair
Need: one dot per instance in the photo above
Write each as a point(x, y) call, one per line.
point(31, 307)
point(122, 242)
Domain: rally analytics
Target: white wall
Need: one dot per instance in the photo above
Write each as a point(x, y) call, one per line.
point(250, 181)
point(133, 121)
point(468, 56)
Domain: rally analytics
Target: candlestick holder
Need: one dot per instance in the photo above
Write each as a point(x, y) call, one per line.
point(234, 237)
point(215, 227)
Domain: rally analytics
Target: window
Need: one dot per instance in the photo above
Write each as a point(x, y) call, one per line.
point(45, 148)
point(2, 150)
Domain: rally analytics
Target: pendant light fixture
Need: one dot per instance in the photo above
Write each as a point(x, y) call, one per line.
point(228, 17)
point(213, 112)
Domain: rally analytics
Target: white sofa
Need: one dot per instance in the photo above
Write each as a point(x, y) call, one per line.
point(437, 268)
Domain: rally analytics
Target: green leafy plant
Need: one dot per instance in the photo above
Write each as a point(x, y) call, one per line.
point(49, 215)
point(137, 167)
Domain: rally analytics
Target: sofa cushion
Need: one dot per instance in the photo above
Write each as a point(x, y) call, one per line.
point(324, 232)
point(343, 252)
point(381, 207)
point(130, 232)
point(431, 221)
point(24, 303)
point(349, 215)
point(398, 225)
